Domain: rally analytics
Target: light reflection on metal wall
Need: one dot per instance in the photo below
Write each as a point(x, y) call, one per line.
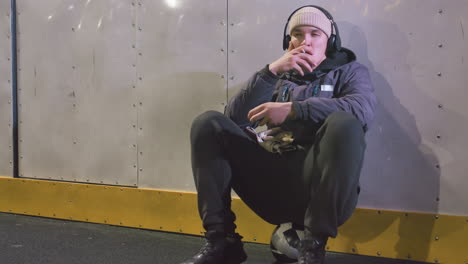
point(76, 78)
point(415, 50)
point(6, 156)
point(181, 73)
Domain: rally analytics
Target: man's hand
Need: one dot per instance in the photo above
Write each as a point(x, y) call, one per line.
point(272, 114)
point(302, 59)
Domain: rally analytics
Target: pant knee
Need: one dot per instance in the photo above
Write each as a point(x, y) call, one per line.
point(205, 123)
point(343, 124)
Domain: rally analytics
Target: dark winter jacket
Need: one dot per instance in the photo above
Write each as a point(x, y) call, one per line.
point(339, 83)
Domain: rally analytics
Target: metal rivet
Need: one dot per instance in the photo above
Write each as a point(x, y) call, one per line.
point(141, 103)
point(439, 74)
point(255, 239)
point(436, 260)
point(141, 169)
point(379, 212)
point(133, 46)
point(222, 50)
point(160, 227)
point(437, 166)
point(140, 53)
point(437, 199)
point(378, 253)
point(232, 24)
point(353, 250)
point(134, 166)
point(141, 153)
point(440, 45)
point(436, 216)
point(232, 78)
point(222, 76)
point(440, 106)
point(409, 256)
point(438, 136)
point(436, 238)
point(139, 28)
point(440, 11)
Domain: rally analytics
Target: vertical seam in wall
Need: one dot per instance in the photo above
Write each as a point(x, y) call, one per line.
point(137, 129)
point(227, 52)
point(14, 87)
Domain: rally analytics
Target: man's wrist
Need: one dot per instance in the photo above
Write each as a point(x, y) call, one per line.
point(272, 70)
point(292, 112)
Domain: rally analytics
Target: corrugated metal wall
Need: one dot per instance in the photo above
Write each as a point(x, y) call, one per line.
point(109, 88)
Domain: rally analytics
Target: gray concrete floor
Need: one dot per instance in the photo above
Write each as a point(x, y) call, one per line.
point(35, 240)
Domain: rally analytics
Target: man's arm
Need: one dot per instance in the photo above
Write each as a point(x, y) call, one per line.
point(259, 90)
point(357, 98)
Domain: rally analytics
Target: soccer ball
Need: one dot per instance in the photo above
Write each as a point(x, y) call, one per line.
point(285, 241)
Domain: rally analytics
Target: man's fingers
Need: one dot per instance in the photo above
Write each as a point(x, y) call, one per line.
point(298, 69)
point(254, 111)
point(258, 116)
point(308, 58)
point(304, 64)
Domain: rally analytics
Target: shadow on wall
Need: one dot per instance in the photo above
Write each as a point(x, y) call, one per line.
point(400, 171)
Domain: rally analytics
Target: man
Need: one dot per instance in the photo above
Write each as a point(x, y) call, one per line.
point(321, 102)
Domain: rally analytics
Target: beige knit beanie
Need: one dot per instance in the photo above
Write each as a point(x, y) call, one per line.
point(310, 16)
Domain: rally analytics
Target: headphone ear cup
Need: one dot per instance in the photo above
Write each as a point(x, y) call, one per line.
point(331, 43)
point(286, 41)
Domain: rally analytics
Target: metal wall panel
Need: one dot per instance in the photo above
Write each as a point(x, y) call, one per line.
point(181, 73)
point(6, 151)
point(415, 50)
point(76, 90)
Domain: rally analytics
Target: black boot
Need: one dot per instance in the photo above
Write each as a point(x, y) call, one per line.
point(312, 251)
point(220, 249)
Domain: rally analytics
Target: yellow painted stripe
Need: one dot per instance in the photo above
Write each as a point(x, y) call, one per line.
point(416, 236)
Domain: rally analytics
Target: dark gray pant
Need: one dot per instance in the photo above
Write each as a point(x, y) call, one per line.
point(316, 188)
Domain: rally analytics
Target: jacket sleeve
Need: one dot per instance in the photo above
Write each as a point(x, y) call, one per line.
point(258, 90)
point(356, 97)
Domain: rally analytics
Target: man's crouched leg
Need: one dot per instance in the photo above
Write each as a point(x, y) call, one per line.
point(220, 248)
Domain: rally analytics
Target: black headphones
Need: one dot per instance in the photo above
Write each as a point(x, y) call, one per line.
point(334, 41)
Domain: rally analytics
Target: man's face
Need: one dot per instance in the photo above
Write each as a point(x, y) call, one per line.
point(312, 37)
